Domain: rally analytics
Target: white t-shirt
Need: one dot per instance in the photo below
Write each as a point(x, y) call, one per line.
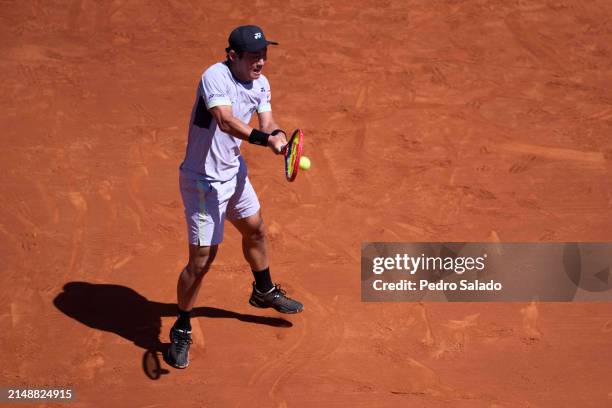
point(212, 154)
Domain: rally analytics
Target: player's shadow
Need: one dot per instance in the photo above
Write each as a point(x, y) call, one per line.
point(125, 312)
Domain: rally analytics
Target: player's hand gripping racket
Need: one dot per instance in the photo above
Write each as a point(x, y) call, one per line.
point(293, 153)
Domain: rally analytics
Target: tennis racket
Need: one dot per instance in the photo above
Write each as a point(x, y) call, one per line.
point(293, 152)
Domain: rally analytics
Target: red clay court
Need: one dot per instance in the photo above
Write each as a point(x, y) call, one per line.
point(425, 121)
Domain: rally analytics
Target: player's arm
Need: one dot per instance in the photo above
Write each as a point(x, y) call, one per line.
point(231, 125)
point(269, 125)
point(266, 121)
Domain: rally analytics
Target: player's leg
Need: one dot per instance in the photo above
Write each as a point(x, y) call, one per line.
point(254, 240)
point(187, 288)
point(190, 279)
point(254, 248)
point(205, 205)
point(243, 211)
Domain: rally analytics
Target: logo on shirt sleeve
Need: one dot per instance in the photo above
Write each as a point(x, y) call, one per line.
point(266, 94)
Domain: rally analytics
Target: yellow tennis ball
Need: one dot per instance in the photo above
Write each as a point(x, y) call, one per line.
point(304, 163)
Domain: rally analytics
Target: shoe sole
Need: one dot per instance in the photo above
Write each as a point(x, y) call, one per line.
point(264, 306)
point(175, 365)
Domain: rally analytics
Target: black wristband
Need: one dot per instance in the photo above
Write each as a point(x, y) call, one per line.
point(258, 137)
point(277, 131)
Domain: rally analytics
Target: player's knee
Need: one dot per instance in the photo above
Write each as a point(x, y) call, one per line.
point(200, 261)
point(258, 234)
point(198, 268)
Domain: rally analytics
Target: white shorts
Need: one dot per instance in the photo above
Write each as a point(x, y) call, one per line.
point(207, 204)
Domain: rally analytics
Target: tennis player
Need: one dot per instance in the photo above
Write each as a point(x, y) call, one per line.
point(214, 181)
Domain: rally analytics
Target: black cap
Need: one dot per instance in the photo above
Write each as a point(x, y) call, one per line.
point(248, 38)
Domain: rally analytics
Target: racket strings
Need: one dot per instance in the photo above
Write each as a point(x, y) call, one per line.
point(291, 155)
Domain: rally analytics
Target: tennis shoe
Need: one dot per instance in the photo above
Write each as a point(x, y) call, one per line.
point(275, 298)
point(178, 352)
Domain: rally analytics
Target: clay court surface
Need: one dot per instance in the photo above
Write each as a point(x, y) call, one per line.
point(424, 120)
